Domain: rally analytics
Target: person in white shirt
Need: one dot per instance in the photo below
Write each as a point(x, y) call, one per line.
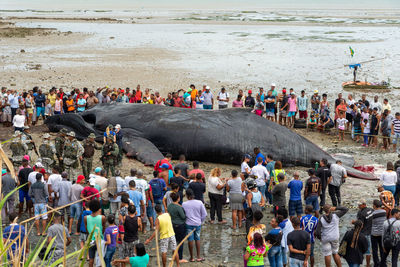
point(245, 168)
point(216, 187)
point(115, 188)
point(223, 99)
point(376, 104)
point(52, 185)
point(130, 178)
point(389, 178)
point(32, 175)
point(19, 121)
point(208, 99)
point(142, 186)
point(261, 174)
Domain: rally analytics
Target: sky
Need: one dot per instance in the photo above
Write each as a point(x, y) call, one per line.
point(188, 4)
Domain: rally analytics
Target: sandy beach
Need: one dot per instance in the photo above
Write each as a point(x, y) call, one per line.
point(243, 49)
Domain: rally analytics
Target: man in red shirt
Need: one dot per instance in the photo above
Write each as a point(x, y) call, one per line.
point(196, 170)
point(165, 160)
point(90, 192)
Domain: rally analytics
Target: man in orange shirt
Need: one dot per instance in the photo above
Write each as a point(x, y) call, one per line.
point(138, 94)
point(193, 95)
point(387, 200)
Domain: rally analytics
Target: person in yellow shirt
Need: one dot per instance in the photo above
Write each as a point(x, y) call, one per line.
point(52, 97)
point(167, 235)
point(193, 95)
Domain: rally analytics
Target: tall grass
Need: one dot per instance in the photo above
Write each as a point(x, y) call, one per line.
point(20, 258)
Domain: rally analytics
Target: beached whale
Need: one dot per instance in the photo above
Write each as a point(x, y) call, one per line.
point(221, 136)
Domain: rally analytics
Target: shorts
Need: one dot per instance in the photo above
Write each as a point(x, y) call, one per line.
point(291, 114)
point(270, 114)
point(396, 137)
point(357, 131)
point(83, 237)
point(167, 242)
point(295, 207)
point(312, 250)
point(149, 210)
point(6, 117)
point(92, 250)
point(66, 210)
point(303, 114)
point(283, 113)
point(373, 131)
point(313, 200)
point(76, 211)
point(368, 252)
point(40, 209)
point(349, 117)
point(129, 248)
point(330, 248)
point(39, 111)
point(29, 111)
point(23, 195)
point(270, 111)
point(196, 234)
point(222, 106)
point(341, 128)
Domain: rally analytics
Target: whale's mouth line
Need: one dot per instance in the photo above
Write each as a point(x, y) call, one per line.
point(89, 118)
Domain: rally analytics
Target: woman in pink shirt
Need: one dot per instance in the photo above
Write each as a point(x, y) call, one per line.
point(292, 102)
point(238, 103)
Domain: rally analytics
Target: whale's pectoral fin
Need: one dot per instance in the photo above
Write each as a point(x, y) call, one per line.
point(142, 149)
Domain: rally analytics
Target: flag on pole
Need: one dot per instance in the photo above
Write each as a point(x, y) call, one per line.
point(351, 51)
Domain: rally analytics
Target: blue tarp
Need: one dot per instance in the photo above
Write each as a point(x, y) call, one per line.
point(352, 66)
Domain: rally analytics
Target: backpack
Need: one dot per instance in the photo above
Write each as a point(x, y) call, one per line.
point(157, 188)
point(390, 238)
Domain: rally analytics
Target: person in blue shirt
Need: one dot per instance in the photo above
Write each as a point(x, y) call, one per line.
point(136, 197)
point(15, 232)
point(309, 224)
point(81, 104)
point(295, 204)
point(40, 101)
point(109, 132)
point(83, 235)
point(258, 154)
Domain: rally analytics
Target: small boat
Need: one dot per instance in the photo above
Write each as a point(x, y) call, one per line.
point(365, 85)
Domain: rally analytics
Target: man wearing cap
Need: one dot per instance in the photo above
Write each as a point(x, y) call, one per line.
point(315, 101)
point(109, 156)
point(72, 152)
point(89, 146)
point(302, 104)
point(118, 139)
point(270, 105)
point(164, 174)
point(47, 151)
point(284, 107)
point(208, 99)
point(59, 144)
point(249, 102)
point(18, 149)
point(166, 160)
point(223, 99)
point(81, 104)
point(63, 191)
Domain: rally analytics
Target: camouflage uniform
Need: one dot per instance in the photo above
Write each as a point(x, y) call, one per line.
point(27, 139)
point(18, 150)
point(59, 144)
point(109, 161)
point(47, 152)
point(72, 151)
point(87, 158)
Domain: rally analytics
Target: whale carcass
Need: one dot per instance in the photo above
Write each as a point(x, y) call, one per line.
point(220, 136)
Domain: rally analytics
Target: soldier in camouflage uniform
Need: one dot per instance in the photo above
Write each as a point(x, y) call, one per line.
point(89, 145)
point(47, 151)
point(72, 153)
point(19, 149)
point(59, 144)
point(27, 139)
point(109, 155)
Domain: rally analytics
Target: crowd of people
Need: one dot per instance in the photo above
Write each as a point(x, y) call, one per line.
point(364, 120)
point(122, 209)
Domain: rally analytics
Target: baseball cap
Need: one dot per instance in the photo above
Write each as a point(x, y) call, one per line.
point(98, 169)
point(250, 91)
point(207, 87)
point(92, 181)
point(80, 178)
point(3, 171)
point(273, 84)
point(117, 126)
point(315, 91)
point(164, 166)
point(39, 164)
point(27, 157)
point(284, 91)
point(247, 156)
